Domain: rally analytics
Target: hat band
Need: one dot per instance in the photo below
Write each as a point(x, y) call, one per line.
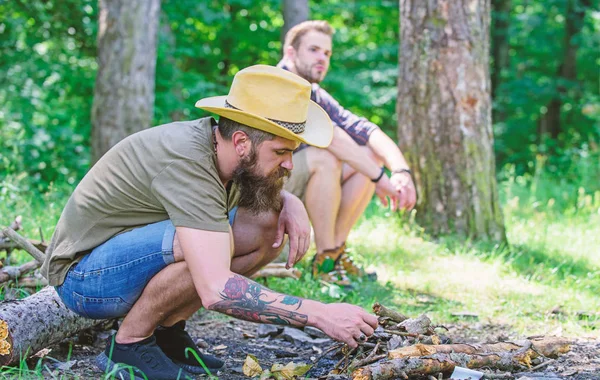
point(297, 128)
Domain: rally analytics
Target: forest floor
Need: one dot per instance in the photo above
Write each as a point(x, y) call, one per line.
point(232, 340)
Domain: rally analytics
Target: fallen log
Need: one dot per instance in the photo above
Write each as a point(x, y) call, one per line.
point(424, 360)
point(36, 322)
point(14, 272)
point(277, 270)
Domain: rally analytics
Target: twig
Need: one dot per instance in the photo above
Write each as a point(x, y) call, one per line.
point(24, 244)
point(542, 365)
point(332, 348)
point(345, 358)
point(368, 360)
point(402, 333)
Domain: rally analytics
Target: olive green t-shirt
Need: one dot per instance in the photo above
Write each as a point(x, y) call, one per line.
point(166, 172)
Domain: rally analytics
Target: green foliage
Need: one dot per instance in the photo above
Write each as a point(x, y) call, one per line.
point(536, 50)
point(48, 68)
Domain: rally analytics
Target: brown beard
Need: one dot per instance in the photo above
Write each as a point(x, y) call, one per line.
point(305, 71)
point(259, 193)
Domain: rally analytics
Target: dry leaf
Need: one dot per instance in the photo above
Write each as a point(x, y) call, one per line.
point(289, 371)
point(251, 368)
point(42, 353)
point(220, 347)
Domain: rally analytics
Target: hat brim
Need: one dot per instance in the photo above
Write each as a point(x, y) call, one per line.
point(317, 132)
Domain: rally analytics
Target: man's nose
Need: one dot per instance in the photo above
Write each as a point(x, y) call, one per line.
point(288, 164)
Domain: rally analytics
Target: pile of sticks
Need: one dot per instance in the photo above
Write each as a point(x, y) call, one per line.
point(11, 240)
point(406, 348)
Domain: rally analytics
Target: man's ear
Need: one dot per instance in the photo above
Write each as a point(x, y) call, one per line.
point(241, 143)
point(289, 53)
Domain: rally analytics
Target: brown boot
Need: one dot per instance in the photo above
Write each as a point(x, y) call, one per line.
point(344, 262)
point(325, 267)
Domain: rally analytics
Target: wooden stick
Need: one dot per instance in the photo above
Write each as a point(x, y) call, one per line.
point(383, 311)
point(24, 244)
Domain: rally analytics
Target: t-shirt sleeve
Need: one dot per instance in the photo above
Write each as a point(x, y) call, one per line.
point(192, 195)
point(359, 128)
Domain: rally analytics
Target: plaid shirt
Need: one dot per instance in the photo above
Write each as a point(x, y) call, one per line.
point(357, 127)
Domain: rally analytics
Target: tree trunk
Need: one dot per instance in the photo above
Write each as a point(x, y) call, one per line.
point(36, 322)
point(444, 115)
point(567, 72)
point(500, 47)
point(124, 92)
point(294, 12)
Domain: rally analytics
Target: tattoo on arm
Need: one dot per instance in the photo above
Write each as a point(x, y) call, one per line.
point(245, 299)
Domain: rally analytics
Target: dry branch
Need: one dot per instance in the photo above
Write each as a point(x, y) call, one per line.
point(393, 315)
point(36, 322)
point(24, 244)
point(14, 272)
point(277, 270)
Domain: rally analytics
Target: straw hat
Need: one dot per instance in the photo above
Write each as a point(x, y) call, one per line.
point(275, 101)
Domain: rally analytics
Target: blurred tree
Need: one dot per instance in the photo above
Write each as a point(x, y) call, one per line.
point(444, 115)
point(294, 12)
point(500, 46)
point(550, 122)
point(124, 92)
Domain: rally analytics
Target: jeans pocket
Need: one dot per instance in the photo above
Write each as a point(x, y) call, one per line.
point(102, 307)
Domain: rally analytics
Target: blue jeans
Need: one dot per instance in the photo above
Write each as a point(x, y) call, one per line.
point(109, 280)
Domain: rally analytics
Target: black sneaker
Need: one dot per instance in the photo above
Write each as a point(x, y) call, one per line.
point(178, 345)
point(144, 360)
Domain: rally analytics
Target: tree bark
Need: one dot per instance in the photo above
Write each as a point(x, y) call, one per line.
point(294, 12)
point(36, 322)
point(444, 115)
point(550, 122)
point(500, 47)
point(124, 92)
point(422, 360)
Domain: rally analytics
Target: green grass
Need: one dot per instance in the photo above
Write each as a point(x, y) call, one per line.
point(536, 285)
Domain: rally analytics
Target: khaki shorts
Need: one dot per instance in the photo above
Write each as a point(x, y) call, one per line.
point(297, 182)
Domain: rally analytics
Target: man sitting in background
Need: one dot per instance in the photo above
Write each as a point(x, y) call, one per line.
point(336, 183)
point(175, 218)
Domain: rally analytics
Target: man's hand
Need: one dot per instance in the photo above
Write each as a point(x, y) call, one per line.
point(347, 323)
point(294, 221)
point(384, 189)
point(403, 183)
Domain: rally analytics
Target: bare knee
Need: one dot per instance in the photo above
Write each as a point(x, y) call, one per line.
point(321, 160)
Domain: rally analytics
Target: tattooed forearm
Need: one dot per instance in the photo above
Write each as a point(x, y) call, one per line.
point(246, 299)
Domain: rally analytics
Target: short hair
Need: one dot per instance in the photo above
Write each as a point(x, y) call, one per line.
point(228, 127)
point(294, 36)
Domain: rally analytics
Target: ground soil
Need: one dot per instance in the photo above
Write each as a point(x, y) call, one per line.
point(232, 340)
